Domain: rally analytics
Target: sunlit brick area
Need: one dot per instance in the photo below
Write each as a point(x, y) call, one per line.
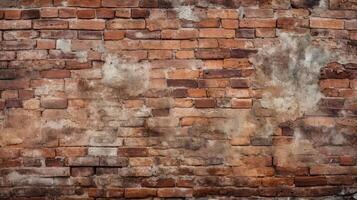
point(178, 99)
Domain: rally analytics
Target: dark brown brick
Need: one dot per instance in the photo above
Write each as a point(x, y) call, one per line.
point(182, 83)
point(205, 103)
point(310, 181)
point(212, 53)
point(140, 13)
point(30, 14)
point(222, 73)
point(242, 53)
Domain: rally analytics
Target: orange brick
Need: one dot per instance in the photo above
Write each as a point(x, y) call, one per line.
point(12, 14)
point(185, 54)
point(230, 23)
point(193, 92)
point(216, 33)
point(207, 43)
point(242, 103)
point(189, 121)
point(326, 23)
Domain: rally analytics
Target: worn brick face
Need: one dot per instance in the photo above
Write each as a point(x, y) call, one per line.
point(168, 99)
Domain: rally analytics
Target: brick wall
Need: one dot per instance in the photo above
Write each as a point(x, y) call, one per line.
point(186, 99)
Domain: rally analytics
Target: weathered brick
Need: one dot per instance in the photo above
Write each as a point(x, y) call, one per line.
point(14, 84)
point(257, 23)
point(30, 14)
point(54, 102)
point(15, 24)
point(159, 24)
point(326, 23)
point(50, 24)
point(126, 24)
point(87, 24)
point(179, 34)
point(82, 171)
point(175, 192)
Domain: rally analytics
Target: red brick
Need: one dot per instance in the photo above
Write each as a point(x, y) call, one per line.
point(86, 14)
point(30, 14)
point(54, 102)
point(126, 24)
point(67, 12)
point(326, 23)
point(12, 14)
point(175, 192)
point(122, 3)
point(84, 3)
point(181, 83)
point(205, 103)
point(242, 103)
point(14, 84)
point(212, 53)
point(49, 12)
point(46, 44)
point(133, 152)
point(87, 24)
point(104, 13)
point(159, 24)
point(140, 192)
point(310, 181)
point(82, 171)
point(265, 32)
point(216, 33)
point(290, 22)
point(209, 23)
point(140, 13)
point(257, 23)
point(15, 24)
point(179, 34)
point(50, 24)
point(230, 23)
point(54, 74)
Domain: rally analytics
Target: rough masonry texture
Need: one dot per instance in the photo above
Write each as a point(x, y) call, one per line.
point(178, 99)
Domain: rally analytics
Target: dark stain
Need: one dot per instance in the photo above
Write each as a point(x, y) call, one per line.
point(304, 3)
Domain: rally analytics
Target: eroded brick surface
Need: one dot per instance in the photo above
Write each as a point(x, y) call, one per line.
point(181, 99)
